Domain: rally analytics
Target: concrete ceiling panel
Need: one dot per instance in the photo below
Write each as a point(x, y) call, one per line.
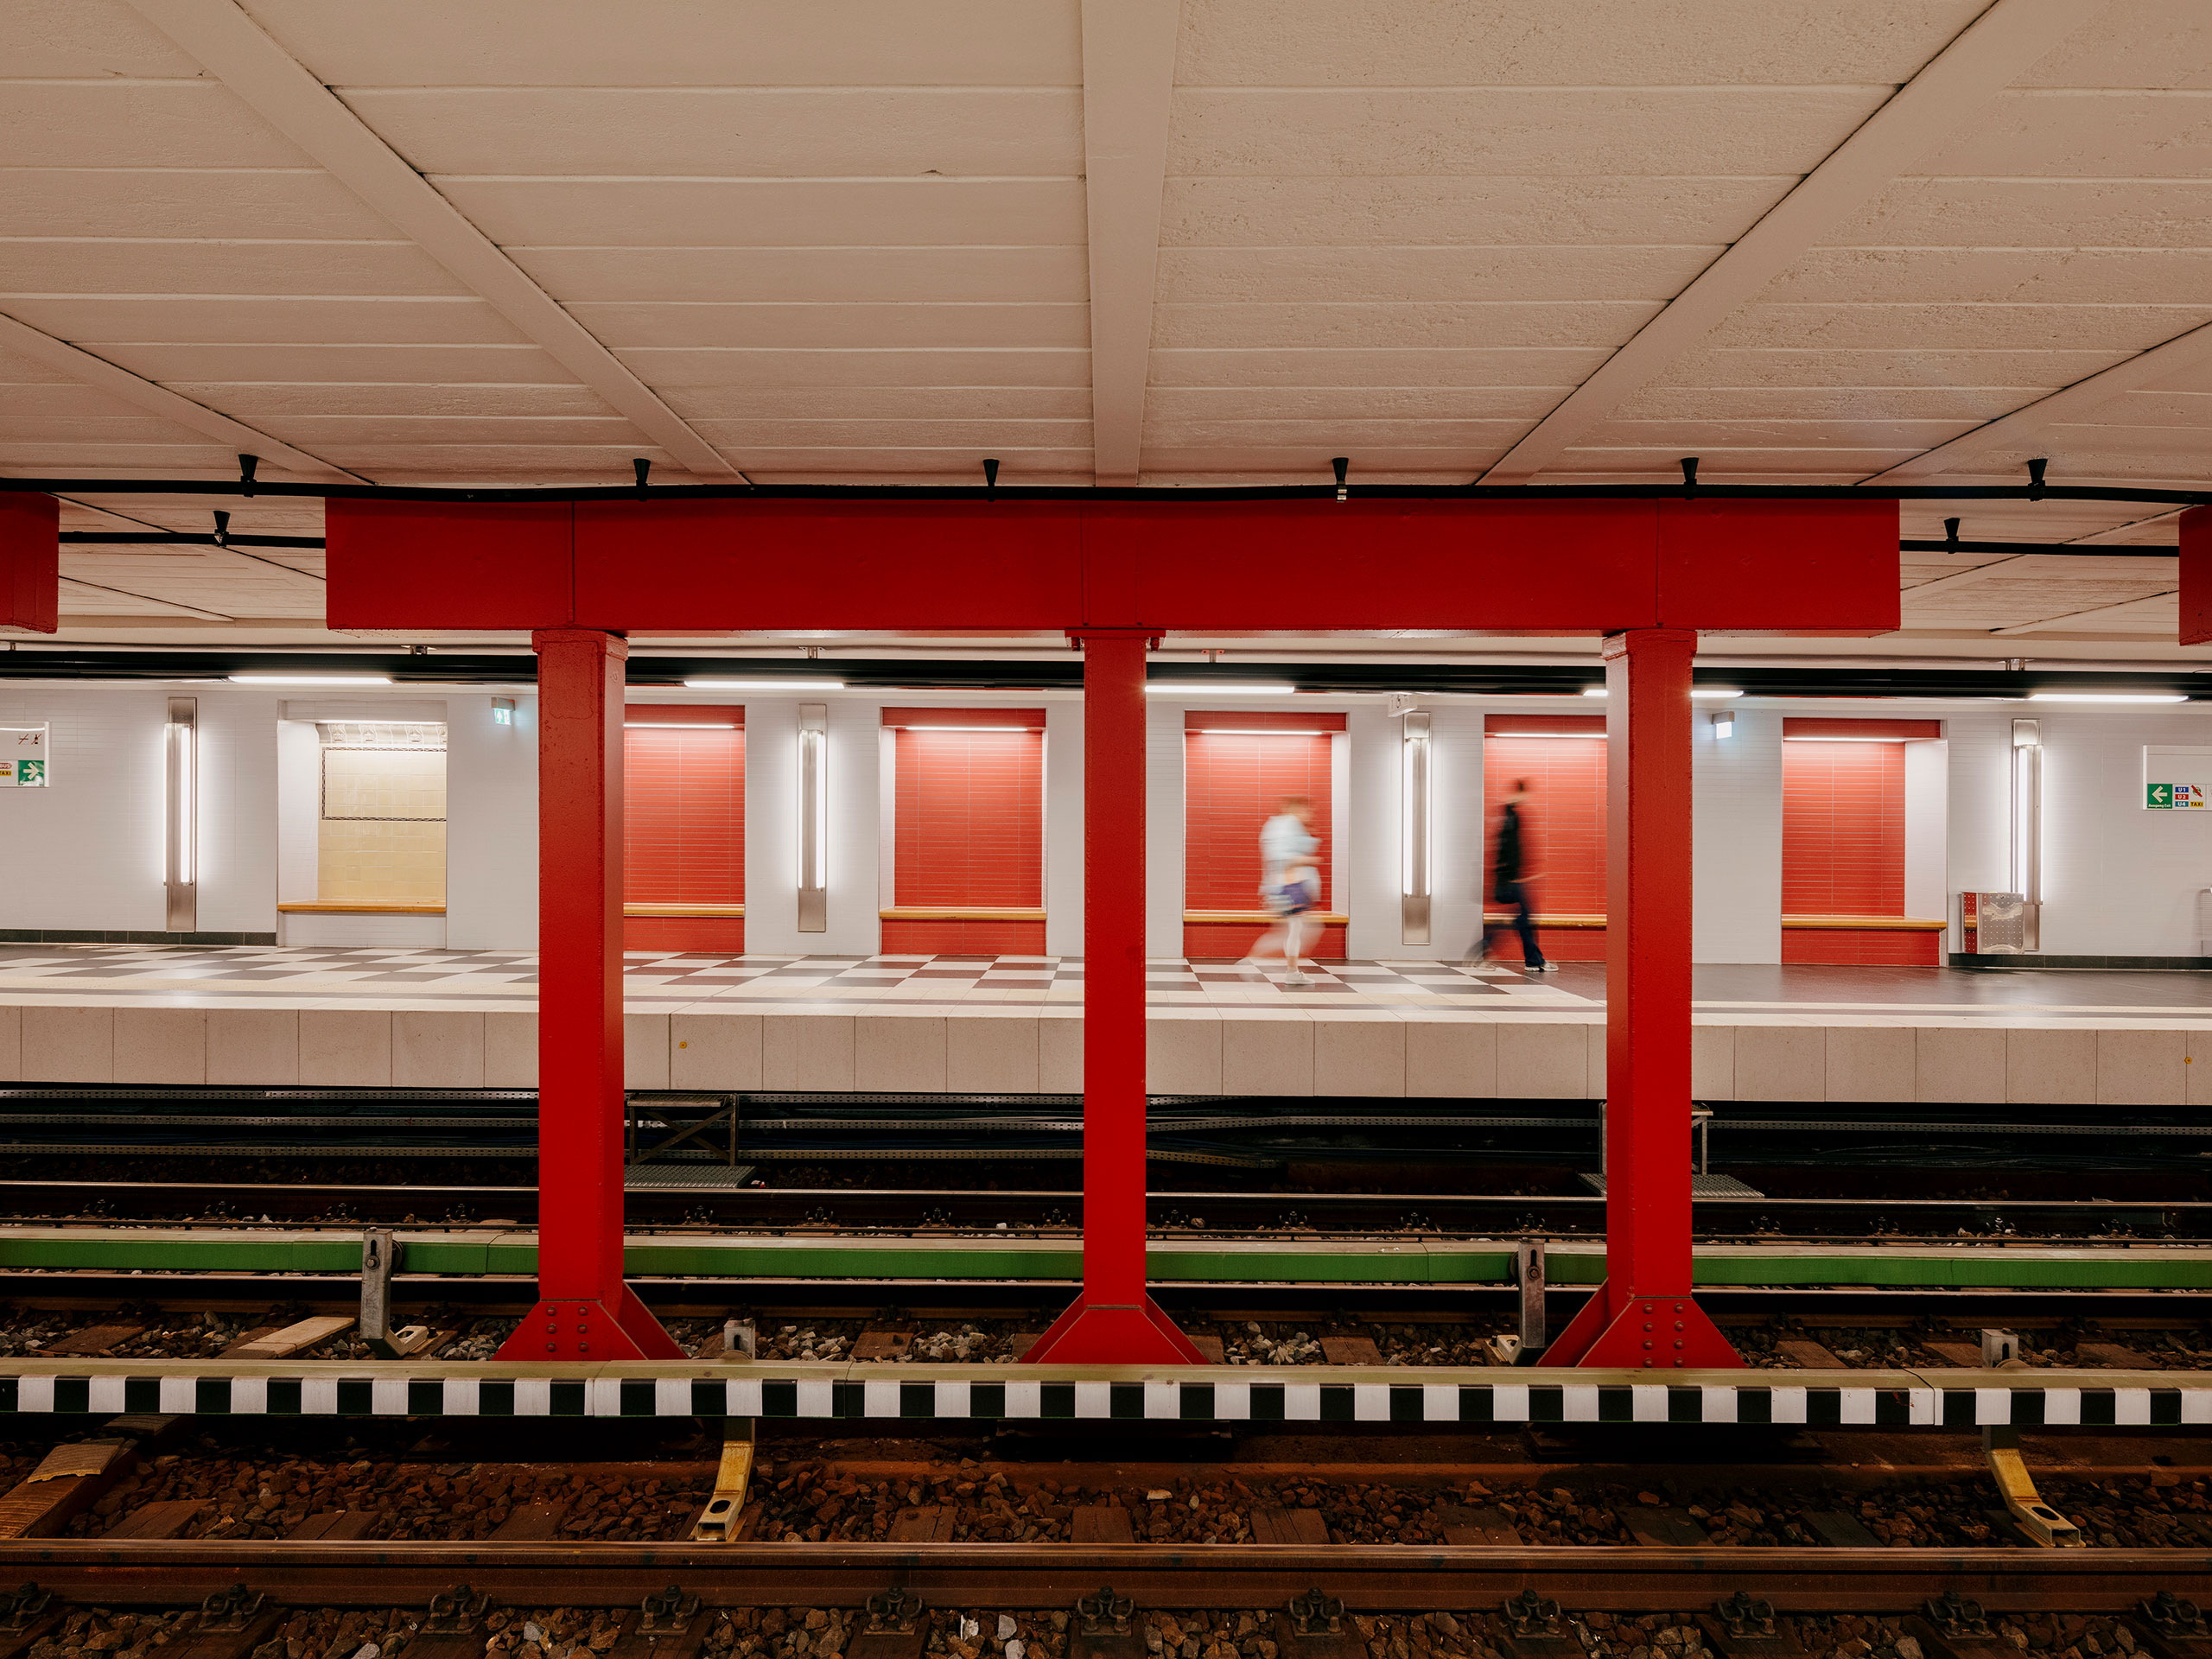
point(1407, 210)
point(279, 401)
point(681, 42)
point(1952, 327)
point(2049, 276)
point(824, 275)
point(174, 360)
point(195, 123)
point(1525, 365)
point(109, 265)
point(675, 370)
point(730, 132)
point(1232, 275)
point(1612, 43)
point(630, 325)
point(1583, 323)
point(305, 203)
point(2135, 43)
point(1538, 132)
point(341, 320)
point(773, 212)
point(84, 40)
point(706, 406)
point(2129, 134)
point(2032, 213)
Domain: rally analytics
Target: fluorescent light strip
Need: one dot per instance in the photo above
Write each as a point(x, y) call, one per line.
point(310, 679)
point(1701, 693)
point(766, 685)
point(2108, 696)
point(1218, 689)
point(1587, 737)
point(188, 807)
point(1253, 731)
point(1870, 737)
point(908, 726)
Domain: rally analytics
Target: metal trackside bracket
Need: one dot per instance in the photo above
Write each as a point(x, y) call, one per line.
point(721, 1521)
point(2001, 1446)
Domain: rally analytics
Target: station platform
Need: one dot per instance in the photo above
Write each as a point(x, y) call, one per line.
point(275, 1016)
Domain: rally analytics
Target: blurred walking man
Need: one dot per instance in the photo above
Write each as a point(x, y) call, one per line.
point(1509, 885)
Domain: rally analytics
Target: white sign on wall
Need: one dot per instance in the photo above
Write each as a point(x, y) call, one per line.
point(23, 756)
point(2177, 779)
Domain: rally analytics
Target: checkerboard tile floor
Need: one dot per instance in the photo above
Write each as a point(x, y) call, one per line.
point(687, 976)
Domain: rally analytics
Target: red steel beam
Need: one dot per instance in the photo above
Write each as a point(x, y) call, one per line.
point(585, 1311)
point(1649, 572)
point(30, 563)
point(1113, 1319)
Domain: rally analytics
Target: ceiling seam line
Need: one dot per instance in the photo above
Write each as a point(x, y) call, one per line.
point(268, 79)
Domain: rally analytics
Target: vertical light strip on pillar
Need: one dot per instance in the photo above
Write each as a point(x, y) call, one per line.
point(1416, 821)
point(181, 793)
point(2027, 828)
point(814, 817)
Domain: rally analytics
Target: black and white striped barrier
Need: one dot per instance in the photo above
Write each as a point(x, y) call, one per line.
point(1881, 1400)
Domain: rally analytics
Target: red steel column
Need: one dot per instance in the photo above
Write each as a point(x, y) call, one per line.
point(585, 1312)
point(1113, 1321)
point(1643, 1316)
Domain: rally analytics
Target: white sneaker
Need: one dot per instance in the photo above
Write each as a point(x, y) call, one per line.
point(1294, 979)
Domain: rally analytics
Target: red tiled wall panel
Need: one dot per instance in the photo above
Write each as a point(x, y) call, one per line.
point(1562, 834)
point(1843, 852)
point(683, 834)
point(1865, 946)
point(963, 938)
point(969, 818)
point(1231, 784)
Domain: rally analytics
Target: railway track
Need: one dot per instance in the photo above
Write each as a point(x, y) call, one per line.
point(1381, 1577)
point(937, 1212)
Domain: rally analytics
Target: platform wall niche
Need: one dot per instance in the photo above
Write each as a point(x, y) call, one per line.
point(360, 810)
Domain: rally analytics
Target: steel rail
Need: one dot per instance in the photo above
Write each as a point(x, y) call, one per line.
point(1383, 1578)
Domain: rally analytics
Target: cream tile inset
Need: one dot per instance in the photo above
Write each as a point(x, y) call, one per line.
point(160, 1044)
point(68, 1045)
point(510, 1051)
point(435, 1049)
point(1712, 1062)
point(899, 1052)
point(11, 1044)
point(2142, 1068)
point(1449, 1060)
point(253, 1046)
point(714, 1051)
point(2050, 1067)
point(346, 1048)
point(645, 1051)
point(1543, 1062)
point(1959, 1065)
point(1359, 1057)
point(1267, 1057)
point(1781, 1063)
point(1059, 1054)
point(1870, 1063)
point(1183, 1057)
point(992, 1055)
point(806, 1051)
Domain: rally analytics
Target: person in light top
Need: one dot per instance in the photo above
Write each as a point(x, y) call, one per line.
point(1290, 885)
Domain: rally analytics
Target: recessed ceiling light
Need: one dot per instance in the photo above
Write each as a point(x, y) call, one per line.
point(1219, 688)
point(2108, 696)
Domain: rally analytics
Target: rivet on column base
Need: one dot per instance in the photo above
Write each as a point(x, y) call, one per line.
point(1654, 1334)
point(1103, 1333)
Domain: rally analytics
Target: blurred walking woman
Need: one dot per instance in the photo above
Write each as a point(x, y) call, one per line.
point(1290, 883)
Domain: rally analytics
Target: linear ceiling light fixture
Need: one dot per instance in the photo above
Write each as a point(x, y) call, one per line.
point(765, 686)
point(1702, 694)
point(1219, 689)
point(310, 679)
point(2108, 696)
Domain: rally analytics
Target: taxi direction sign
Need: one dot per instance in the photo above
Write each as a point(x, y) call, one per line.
point(23, 756)
point(2177, 779)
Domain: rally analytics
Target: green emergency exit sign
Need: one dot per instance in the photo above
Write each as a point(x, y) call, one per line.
point(2188, 797)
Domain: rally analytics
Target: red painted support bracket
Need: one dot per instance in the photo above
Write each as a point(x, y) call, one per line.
point(585, 1312)
point(1113, 1321)
point(1643, 1317)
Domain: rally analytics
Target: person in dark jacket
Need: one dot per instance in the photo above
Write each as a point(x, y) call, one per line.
point(1509, 889)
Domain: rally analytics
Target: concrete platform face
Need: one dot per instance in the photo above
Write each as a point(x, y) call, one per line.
point(304, 1016)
